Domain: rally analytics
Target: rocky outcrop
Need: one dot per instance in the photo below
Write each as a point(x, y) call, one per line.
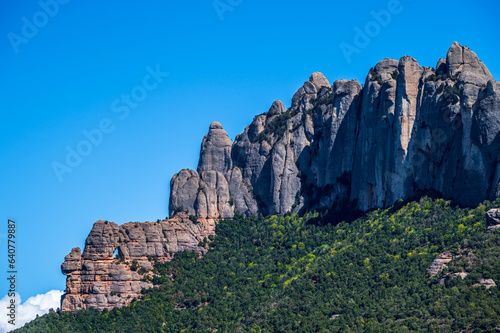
point(462, 275)
point(439, 264)
point(493, 219)
point(494, 227)
point(493, 216)
point(488, 283)
point(409, 130)
point(217, 189)
point(118, 259)
point(465, 64)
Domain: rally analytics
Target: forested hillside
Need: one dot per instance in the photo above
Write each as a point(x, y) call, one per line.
point(306, 274)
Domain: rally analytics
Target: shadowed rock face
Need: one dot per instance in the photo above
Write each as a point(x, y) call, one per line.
point(407, 131)
point(97, 279)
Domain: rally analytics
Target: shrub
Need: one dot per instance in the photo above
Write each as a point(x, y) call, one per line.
point(395, 74)
point(276, 126)
point(449, 93)
point(435, 78)
point(178, 209)
point(440, 88)
point(374, 75)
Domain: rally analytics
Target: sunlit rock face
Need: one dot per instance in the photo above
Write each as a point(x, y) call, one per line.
point(95, 278)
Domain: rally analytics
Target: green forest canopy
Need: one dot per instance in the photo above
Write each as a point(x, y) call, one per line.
point(303, 274)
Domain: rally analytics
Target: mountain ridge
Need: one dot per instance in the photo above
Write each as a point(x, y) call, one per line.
point(367, 145)
point(409, 130)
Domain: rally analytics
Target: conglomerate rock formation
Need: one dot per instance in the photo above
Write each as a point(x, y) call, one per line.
point(100, 280)
point(409, 130)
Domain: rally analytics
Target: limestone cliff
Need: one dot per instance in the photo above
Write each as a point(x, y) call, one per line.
point(407, 131)
point(98, 279)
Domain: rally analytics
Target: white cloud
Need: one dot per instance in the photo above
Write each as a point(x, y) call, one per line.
point(27, 311)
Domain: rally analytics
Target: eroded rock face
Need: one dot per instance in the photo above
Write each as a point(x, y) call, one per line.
point(97, 279)
point(409, 130)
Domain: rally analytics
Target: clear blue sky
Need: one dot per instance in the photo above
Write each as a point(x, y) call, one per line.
point(66, 76)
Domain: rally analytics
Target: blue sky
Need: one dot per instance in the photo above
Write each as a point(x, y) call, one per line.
point(226, 63)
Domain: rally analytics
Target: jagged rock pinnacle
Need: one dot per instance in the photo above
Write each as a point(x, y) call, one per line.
point(319, 80)
point(276, 108)
point(215, 125)
point(465, 64)
point(370, 146)
point(215, 151)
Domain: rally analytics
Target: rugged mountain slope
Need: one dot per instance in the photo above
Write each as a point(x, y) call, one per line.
point(424, 266)
point(407, 131)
